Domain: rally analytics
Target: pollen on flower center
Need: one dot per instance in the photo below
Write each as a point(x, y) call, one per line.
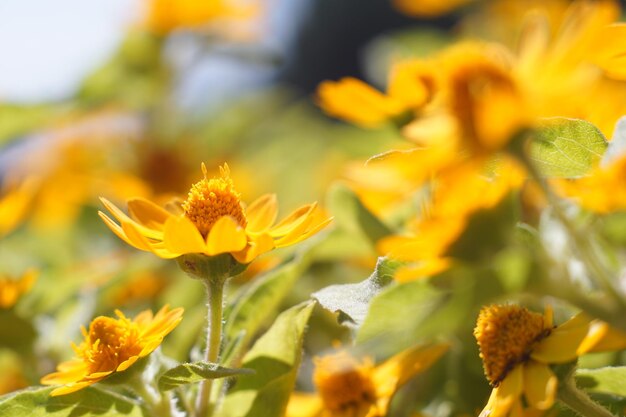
point(109, 343)
point(343, 383)
point(505, 336)
point(208, 200)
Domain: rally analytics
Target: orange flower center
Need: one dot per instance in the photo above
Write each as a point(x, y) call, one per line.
point(109, 343)
point(208, 200)
point(506, 335)
point(344, 384)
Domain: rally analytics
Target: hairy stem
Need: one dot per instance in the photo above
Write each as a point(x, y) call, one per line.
point(579, 401)
point(215, 289)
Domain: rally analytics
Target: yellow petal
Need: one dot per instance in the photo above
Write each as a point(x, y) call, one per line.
point(292, 221)
point(127, 363)
point(115, 228)
point(69, 371)
point(181, 236)
point(226, 236)
point(424, 269)
point(70, 388)
point(395, 371)
point(147, 213)
point(539, 385)
point(562, 344)
point(602, 338)
point(261, 214)
point(508, 393)
point(303, 405)
point(123, 218)
point(256, 246)
point(310, 223)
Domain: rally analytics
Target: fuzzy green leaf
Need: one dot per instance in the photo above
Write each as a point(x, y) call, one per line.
point(275, 358)
point(609, 380)
point(398, 310)
point(351, 301)
point(187, 373)
point(88, 402)
point(567, 148)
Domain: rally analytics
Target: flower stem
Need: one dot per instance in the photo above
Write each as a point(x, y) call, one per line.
point(579, 401)
point(215, 287)
point(158, 403)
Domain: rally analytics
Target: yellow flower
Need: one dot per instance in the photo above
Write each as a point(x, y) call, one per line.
point(112, 345)
point(428, 8)
point(411, 85)
point(602, 191)
point(458, 193)
point(518, 346)
point(348, 387)
point(15, 205)
point(12, 289)
point(213, 221)
point(143, 286)
point(164, 16)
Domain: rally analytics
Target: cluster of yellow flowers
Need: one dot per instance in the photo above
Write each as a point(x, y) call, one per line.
point(498, 143)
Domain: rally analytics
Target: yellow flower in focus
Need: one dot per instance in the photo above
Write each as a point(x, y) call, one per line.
point(163, 16)
point(602, 191)
point(411, 86)
point(112, 345)
point(213, 221)
point(347, 387)
point(12, 289)
point(518, 346)
point(428, 8)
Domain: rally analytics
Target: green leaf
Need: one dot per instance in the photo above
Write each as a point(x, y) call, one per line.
point(350, 214)
point(188, 373)
point(609, 380)
point(275, 358)
point(567, 148)
point(88, 402)
point(399, 310)
point(259, 302)
point(351, 301)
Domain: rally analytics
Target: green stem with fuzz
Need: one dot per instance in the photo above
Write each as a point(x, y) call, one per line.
point(159, 404)
point(215, 288)
point(579, 401)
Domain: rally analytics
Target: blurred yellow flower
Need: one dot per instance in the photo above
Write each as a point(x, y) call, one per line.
point(213, 221)
point(602, 191)
point(15, 204)
point(411, 85)
point(428, 8)
point(12, 289)
point(348, 387)
point(143, 286)
point(112, 345)
point(164, 16)
point(517, 347)
point(72, 164)
point(458, 193)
